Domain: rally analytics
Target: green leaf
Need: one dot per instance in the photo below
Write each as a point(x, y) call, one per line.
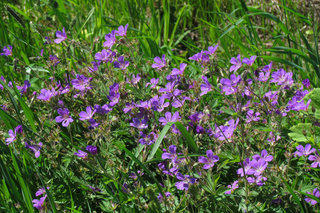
point(159, 140)
point(189, 140)
point(314, 95)
point(295, 197)
point(301, 132)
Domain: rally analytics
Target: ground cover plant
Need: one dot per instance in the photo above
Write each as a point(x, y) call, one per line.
point(105, 120)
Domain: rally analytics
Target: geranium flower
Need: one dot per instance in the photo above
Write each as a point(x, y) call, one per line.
point(209, 161)
point(180, 71)
point(46, 95)
point(81, 83)
point(206, 87)
point(92, 149)
point(232, 187)
point(34, 148)
point(159, 63)
point(186, 180)
point(64, 117)
point(315, 193)
point(61, 36)
point(105, 55)
point(140, 124)
point(316, 159)
point(39, 203)
point(122, 31)
point(225, 132)
point(121, 64)
point(304, 151)
point(88, 114)
point(81, 154)
point(236, 63)
point(110, 40)
point(249, 61)
point(7, 51)
point(13, 134)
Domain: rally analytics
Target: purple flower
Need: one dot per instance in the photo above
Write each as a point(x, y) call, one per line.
point(264, 76)
point(92, 149)
point(209, 161)
point(81, 83)
point(232, 187)
point(272, 96)
point(135, 79)
point(159, 63)
point(315, 193)
point(95, 65)
point(7, 51)
point(247, 167)
point(257, 167)
point(178, 102)
point(110, 40)
point(41, 191)
point(249, 61)
point(114, 98)
point(64, 117)
point(230, 86)
point(236, 63)
point(168, 117)
point(61, 36)
point(121, 63)
point(212, 50)
point(102, 109)
point(13, 134)
point(23, 89)
point(180, 71)
point(264, 156)
point(129, 107)
point(105, 55)
point(39, 203)
point(159, 104)
point(304, 151)
point(54, 60)
point(225, 132)
point(134, 175)
point(203, 56)
point(186, 180)
point(296, 105)
point(88, 114)
point(81, 154)
point(169, 89)
point(267, 68)
point(160, 197)
point(282, 78)
point(95, 189)
point(258, 180)
point(34, 148)
point(206, 87)
point(122, 31)
point(251, 116)
point(316, 159)
point(153, 82)
point(140, 124)
point(196, 57)
point(171, 154)
point(306, 83)
point(46, 95)
point(148, 139)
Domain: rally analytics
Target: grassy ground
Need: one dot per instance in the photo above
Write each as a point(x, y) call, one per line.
point(273, 29)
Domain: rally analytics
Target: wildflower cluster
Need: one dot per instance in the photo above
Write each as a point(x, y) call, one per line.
point(188, 132)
